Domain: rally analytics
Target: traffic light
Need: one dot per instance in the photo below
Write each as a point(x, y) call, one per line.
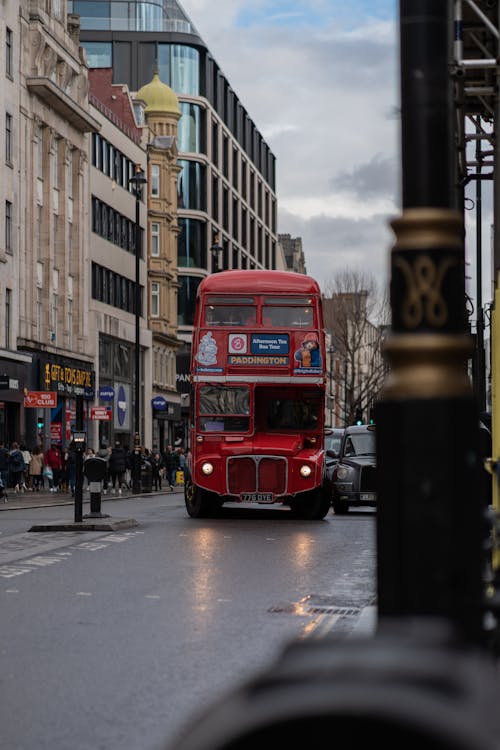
point(372, 416)
point(40, 423)
point(359, 415)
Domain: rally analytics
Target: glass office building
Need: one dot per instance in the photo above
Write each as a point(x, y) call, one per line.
point(226, 187)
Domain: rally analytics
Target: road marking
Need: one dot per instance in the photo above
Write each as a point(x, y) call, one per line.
point(152, 596)
point(83, 593)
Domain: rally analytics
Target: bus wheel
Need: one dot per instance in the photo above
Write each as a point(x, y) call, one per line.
point(199, 503)
point(312, 507)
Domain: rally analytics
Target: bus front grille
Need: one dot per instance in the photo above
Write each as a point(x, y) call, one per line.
point(257, 474)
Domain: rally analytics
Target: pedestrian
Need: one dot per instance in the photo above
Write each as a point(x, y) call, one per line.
point(70, 461)
point(27, 458)
point(35, 469)
point(53, 461)
point(188, 468)
point(4, 463)
point(89, 453)
point(171, 460)
point(16, 462)
point(104, 452)
point(118, 467)
point(157, 466)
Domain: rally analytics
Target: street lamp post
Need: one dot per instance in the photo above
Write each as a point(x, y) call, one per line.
point(137, 181)
point(217, 254)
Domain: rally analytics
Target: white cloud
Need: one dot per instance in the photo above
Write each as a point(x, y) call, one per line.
point(323, 96)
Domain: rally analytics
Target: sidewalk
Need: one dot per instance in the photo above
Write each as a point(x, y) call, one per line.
point(44, 498)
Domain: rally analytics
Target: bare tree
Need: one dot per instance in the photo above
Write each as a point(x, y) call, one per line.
point(356, 317)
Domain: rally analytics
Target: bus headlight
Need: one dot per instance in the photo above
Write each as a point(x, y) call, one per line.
point(207, 468)
point(305, 471)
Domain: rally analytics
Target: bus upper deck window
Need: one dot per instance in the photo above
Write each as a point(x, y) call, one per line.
point(287, 317)
point(230, 315)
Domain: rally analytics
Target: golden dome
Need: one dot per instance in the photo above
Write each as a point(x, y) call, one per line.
point(159, 97)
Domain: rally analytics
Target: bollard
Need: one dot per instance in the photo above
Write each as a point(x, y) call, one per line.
point(95, 471)
point(411, 686)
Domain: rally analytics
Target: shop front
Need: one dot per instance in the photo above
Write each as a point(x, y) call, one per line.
point(166, 416)
point(69, 379)
point(15, 369)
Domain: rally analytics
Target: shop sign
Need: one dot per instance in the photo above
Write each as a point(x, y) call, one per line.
point(159, 403)
point(67, 379)
point(40, 399)
point(122, 406)
point(103, 413)
point(106, 393)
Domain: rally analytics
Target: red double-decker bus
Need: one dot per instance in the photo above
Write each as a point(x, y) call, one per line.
point(258, 394)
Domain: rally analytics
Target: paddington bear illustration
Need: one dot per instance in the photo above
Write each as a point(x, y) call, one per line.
point(309, 354)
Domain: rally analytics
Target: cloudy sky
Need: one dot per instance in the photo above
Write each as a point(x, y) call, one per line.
point(320, 80)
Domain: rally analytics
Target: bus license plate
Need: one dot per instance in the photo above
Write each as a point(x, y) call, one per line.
point(256, 497)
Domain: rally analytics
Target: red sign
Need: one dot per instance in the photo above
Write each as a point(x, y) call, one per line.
point(100, 412)
point(40, 399)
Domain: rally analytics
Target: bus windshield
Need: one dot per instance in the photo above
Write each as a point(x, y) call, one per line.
point(224, 408)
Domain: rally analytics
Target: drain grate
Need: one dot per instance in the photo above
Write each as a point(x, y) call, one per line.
point(341, 611)
point(317, 605)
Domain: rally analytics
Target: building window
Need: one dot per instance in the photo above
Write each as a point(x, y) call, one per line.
point(53, 318)
point(155, 180)
point(55, 164)
point(8, 52)
point(8, 138)
point(39, 222)
point(155, 239)
point(39, 152)
point(99, 54)
point(70, 175)
point(8, 227)
point(8, 300)
point(155, 299)
point(70, 323)
point(70, 246)
point(38, 313)
point(191, 243)
point(56, 233)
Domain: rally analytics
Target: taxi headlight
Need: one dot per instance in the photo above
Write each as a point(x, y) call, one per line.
point(207, 468)
point(305, 471)
point(342, 472)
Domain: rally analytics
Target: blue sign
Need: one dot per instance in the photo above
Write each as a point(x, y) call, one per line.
point(159, 403)
point(121, 405)
point(88, 393)
point(106, 393)
point(269, 343)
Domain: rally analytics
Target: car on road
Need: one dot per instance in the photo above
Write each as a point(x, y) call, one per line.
point(354, 474)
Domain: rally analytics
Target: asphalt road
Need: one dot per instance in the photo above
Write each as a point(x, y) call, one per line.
point(118, 639)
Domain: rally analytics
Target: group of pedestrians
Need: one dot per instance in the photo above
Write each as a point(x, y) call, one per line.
point(25, 470)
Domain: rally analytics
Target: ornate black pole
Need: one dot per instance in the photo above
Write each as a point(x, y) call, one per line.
point(138, 180)
point(429, 519)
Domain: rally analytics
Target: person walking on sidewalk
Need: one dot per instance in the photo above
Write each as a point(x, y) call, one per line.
point(26, 458)
point(104, 453)
point(118, 467)
point(17, 467)
point(4, 463)
point(53, 460)
point(171, 459)
point(35, 469)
